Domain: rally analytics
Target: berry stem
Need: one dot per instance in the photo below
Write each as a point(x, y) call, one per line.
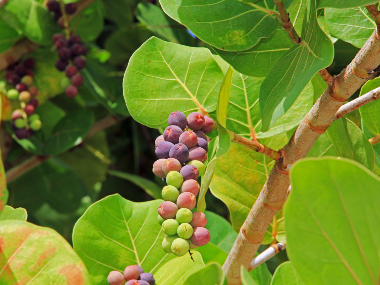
point(65, 19)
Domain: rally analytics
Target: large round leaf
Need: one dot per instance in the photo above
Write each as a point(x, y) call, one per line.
point(164, 77)
point(332, 222)
point(286, 275)
point(9, 213)
point(370, 112)
point(114, 233)
point(36, 255)
point(210, 274)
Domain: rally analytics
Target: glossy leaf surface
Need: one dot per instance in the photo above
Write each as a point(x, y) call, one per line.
point(212, 273)
point(9, 213)
point(370, 112)
point(286, 274)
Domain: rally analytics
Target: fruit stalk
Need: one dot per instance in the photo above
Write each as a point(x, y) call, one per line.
point(375, 14)
point(274, 192)
point(286, 23)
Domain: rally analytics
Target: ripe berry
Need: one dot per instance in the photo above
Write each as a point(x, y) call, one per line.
point(132, 282)
point(172, 134)
point(21, 134)
point(30, 73)
point(131, 272)
point(170, 193)
point(20, 123)
point(33, 90)
point(189, 172)
point(70, 8)
point(167, 243)
point(29, 109)
point(27, 79)
point(21, 87)
point(199, 220)
point(180, 247)
point(14, 79)
point(195, 121)
point(175, 179)
point(115, 278)
point(198, 153)
point(33, 102)
point(29, 63)
point(53, 6)
point(64, 53)
point(79, 62)
point(77, 80)
point(163, 149)
point(203, 144)
point(200, 237)
point(12, 94)
point(57, 37)
point(78, 49)
point(189, 139)
point(201, 167)
point(61, 43)
point(177, 118)
point(158, 140)
point(201, 135)
point(24, 96)
point(207, 127)
point(184, 216)
point(191, 186)
point(17, 114)
point(74, 39)
point(186, 200)
point(185, 231)
point(157, 168)
point(57, 16)
point(61, 64)
point(179, 152)
point(167, 210)
point(71, 71)
point(148, 277)
point(171, 164)
point(21, 70)
point(71, 91)
point(143, 282)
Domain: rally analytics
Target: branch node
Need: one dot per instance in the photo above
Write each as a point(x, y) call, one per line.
point(245, 235)
point(313, 128)
point(359, 71)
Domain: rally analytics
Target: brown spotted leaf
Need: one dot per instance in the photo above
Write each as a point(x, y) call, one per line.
point(33, 255)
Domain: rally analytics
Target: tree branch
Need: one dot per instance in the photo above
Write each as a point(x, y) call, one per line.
point(36, 160)
point(286, 23)
point(319, 118)
point(266, 254)
point(374, 13)
point(326, 76)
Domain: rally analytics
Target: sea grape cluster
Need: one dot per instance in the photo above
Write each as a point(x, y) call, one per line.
point(182, 150)
point(133, 275)
point(55, 7)
point(21, 89)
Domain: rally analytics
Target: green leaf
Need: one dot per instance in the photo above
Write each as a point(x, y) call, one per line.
point(205, 184)
point(49, 114)
point(164, 77)
point(212, 273)
point(322, 147)
point(9, 36)
point(120, 11)
point(149, 187)
point(31, 18)
point(9, 213)
point(234, 29)
point(246, 277)
point(343, 3)
point(343, 215)
point(177, 270)
point(297, 11)
point(353, 25)
point(3, 185)
point(370, 112)
point(258, 60)
point(319, 86)
point(323, 24)
point(294, 70)
point(38, 255)
point(257, 276)
point(350, 142)
point(162, 25)
point(224, 96)
point(69, 131)
point(286, 275)
point(115, 232)
point(211, 253)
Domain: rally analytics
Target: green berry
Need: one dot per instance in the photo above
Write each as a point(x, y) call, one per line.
point(170, 227)
point(175, 179)
point(180, 246)
point(65, 82)
point(201, 167)
point(160, 219)
point(3, 86)
point(185, 231)
point(34, 117)
point(167, 243)
point(170, 193)
point(20, 123)
point(12, 94)
point(35, 125)
point(27, 79)
point(184, 215)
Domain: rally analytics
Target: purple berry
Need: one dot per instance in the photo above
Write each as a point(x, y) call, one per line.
point(57, 37)
point(148, 277)
point(74, 39)
point(189, 139)
point(179, 152)
point(163, 149)
point(172, 134)
point(21, 70)
point(64, 53)
point(79, 62)
point(207, 127)
point(70, 8)
point(115, 278)
point(197, 153)
point(170, 164)
point(33, 102)
point(199, 220)
point(131, 272)
point(201, 135)
point(189, 172)
point(140, 269)
point(21, 87)
point(195, 121)
point(186, 200)
point(14, 79)
point(71, 91)
point(203, 144)
point(157, 168)
point(159, 140)
point(78, 49)
point(21, 134)
point(53, 6)
point(61, 43)
point(71, 71)
point(57, 16)
point(77, 80)
point(191, 186)
point(167, 210)
point(61, 64)
point(178, 118)
point(29, 63)
point(200, 236)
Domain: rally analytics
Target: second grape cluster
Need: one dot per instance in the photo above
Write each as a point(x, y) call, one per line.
point(182, 150)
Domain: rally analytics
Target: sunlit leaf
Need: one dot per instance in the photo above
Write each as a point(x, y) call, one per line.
point(286, 274)
point(212, 273)
point(343, 3)
point(370, 112)
point(9, 213)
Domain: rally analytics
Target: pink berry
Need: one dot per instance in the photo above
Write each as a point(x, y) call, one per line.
point(207, 127)
point(131, 272)
point(200, 236)
point(191, 186)
point(189, 139)
point(115, 278)
point(186, 200)
point(168, 210)
point(199, 220)
point(170, 164)
point(195, 121)
point(157, 168)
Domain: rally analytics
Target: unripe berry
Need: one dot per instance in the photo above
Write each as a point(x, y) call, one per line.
point(20, 123)
point(171, 164)
point(12, 94)
point(201, 167)
point(184, 216)
point(34, 117)
point(167, 243)
point(175, 179)
point(170, 227)
point(27, 79)
point(157, 168)
point(17, 114)
point(185, 231)
point(170, 193)
point(35, 125)
point(160, 219)
point(180, 247)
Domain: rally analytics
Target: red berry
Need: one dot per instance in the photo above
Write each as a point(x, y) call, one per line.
point(17, 114)
point(33, 90)
point(29, 63)
point(70, 8)
point(77, 80)
point(21, 87)
point(71, 71)
point(53, 6)
point(74, 39)
point(29, 109)
point(57, 37)
point(71, 91)
point(61, 43)
point(64, 53)
point(33, 102)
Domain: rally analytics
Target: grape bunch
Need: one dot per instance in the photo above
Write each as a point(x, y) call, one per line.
point(182, 150)
point(133, 274)
point(55, 7)
point(20, 77)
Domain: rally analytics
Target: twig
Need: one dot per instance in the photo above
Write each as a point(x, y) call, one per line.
point(374, 140)
point(266, 254)
point(326, 76)
point(375, 14)
point(358, 102)
point(274, 193)
point(80, 7)
point(36, 160)
point(64, 19)
point(286, 23)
